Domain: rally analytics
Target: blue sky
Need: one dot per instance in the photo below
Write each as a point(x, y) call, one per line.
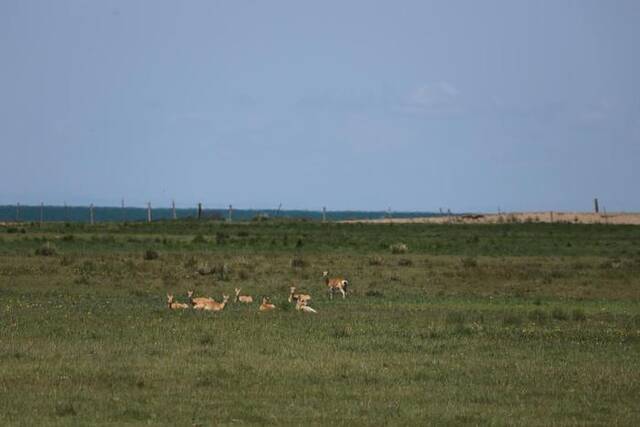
point(413, 105)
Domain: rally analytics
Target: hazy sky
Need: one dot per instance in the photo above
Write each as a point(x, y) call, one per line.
point(413, 105)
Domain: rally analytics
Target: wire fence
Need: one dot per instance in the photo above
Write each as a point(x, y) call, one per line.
point(94, 214)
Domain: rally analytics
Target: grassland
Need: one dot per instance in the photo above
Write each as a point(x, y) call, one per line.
point(530, 324)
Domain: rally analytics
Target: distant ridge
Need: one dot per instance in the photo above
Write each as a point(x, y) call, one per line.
point(51, 213)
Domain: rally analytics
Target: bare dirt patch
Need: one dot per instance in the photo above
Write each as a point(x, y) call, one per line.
point(520, 217)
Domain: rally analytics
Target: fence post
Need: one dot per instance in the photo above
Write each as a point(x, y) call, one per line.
point(595, 205)
point(230, 213)
point(324, 214)
point(91, 219)
point(41, 213)
point(173, 209)
point(124, 213)
point(148, 211)
point(18, 212)
point(199, 210)
point(66, 212)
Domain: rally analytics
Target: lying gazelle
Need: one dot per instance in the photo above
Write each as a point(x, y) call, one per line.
point(213, 305)
point(173, 305)
point(293, 297)
point(335, 284)
point(247, 299)
point(266, 305)
point(301, 305)
point(198, 301)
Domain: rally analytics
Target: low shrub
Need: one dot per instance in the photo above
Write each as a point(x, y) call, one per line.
point(469, 262)
point(538, 316)
point(399, 248)
point(198, 239)
point(372, 293)
point(297, 262)
point(150, 255)
point(559, 314)
point(376, 260)
point(46, 250)
point(511, 319)
point(578, 315)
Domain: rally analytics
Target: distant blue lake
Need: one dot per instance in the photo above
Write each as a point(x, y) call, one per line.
point(112, 214)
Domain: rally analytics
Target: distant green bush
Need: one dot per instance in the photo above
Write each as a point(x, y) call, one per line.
point(198, 239)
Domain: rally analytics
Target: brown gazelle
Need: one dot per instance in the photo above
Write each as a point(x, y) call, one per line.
point(212, 305)
point(301, 305)
point(198, 301)
point(247, 299)
point(266, 305)
point(335, 284)
point(173, 305)
point(294, 297)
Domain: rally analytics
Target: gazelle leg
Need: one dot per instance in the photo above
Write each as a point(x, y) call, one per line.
point(344, 294)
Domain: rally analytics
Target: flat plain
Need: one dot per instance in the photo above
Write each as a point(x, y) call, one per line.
point(513, 323)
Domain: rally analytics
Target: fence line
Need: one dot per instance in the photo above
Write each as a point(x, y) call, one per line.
point(95, 214)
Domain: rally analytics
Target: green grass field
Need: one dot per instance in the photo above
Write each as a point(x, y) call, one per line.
point(529, 324)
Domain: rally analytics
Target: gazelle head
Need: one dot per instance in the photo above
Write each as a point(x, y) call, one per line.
point(265, 300)
point(325, 273)
point(225, 298)
point(170, 299)
point(189, 294)
point(237, 290)
point(292, 289)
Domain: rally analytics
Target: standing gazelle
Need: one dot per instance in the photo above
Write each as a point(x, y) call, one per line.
point(335, 284)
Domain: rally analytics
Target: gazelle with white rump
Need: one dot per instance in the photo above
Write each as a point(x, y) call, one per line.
point(335, 284)
point(294, 297)
point(247, 299)
point(198, 301)
point(213, 305)
point(301, 305)
point(173, 305)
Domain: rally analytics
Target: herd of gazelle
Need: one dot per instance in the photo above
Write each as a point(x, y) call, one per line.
point(334, 284)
